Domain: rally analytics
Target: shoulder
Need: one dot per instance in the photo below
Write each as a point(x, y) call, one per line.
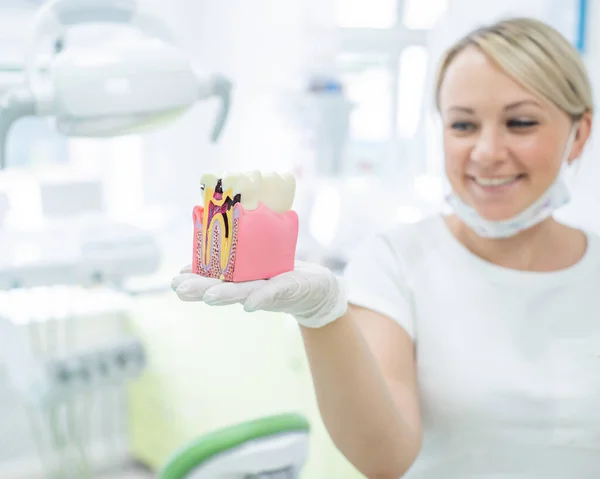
point(381, 271)
point(415, 239)
point(403, 247)
point(405, 234)
point(592, 236)
point(593, 247)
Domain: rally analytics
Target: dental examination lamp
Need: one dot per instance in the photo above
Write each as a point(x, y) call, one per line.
point(110, 89)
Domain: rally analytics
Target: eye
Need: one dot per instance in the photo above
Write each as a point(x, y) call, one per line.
point(521, 124)
point(462, 126)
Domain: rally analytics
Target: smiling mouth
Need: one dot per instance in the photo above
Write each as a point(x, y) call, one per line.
point(496, 182)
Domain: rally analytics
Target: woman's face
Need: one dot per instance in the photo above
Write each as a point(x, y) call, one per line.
point(503, 145)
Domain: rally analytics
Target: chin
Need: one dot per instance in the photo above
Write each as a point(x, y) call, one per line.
point(497, 212)
point(496, 216)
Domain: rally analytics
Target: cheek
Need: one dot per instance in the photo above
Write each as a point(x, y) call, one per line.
point(456, 155)
point(537, 154)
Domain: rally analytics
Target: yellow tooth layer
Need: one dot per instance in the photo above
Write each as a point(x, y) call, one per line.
point(225, 247)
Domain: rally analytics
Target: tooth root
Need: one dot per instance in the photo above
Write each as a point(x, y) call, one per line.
point(277, 192)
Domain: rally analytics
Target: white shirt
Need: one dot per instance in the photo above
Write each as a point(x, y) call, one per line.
point(508, 361)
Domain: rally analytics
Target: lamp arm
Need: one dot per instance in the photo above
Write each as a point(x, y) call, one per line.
point(15, 104)
point(220, 86)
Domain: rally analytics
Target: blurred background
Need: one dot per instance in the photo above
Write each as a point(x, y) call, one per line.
point(110, 113)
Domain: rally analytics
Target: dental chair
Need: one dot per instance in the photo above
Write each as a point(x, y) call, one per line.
point(274, 447)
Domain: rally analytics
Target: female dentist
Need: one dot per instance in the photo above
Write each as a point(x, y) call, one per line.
point(466, 346)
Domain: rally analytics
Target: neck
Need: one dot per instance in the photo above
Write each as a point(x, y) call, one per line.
point(548, 246)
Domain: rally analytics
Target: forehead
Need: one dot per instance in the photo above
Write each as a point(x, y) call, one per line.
point(473, 78)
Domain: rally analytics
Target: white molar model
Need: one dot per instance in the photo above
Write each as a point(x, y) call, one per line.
point(275, 191)
point(246, 229)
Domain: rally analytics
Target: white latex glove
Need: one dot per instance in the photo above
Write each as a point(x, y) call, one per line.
point(310, 293)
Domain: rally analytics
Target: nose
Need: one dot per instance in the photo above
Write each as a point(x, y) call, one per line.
point(489, 148)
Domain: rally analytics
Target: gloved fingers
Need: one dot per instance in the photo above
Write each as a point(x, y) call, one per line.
point(180, 279)
point(303, 265)
point(193, 288)
point(186, 269)
point(312, 268)
point(230, 293)
point(273, 296)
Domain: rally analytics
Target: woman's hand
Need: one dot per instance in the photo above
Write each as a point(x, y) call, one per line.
point(311, 293)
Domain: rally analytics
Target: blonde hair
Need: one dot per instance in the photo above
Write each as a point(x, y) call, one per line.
point(535, 55)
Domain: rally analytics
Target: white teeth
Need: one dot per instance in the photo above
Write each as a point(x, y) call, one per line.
point(495, 181)
point(255, 175)
point(277, 192)
point(289, 182)
point(230, 182)
point(248, 186)
point(208, 180)
point(272, 190)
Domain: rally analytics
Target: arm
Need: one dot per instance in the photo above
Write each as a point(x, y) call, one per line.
point(362, 360)
point(364, 375)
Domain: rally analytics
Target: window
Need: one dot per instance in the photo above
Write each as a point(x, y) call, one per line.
point(366, 13)
point(370, 90)
point(411, 83)
point(422, 14)
point(384, 65)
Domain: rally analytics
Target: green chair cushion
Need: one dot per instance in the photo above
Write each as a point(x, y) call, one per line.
point(189, 457)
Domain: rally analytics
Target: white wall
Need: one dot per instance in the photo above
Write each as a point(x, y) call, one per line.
point(265, 47)
point(16, 439)
point(586, 204)
point(268, 48)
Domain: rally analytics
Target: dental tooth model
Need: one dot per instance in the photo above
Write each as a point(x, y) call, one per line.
point(246, 229)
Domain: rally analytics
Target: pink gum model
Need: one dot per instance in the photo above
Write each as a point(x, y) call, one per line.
point(263, 244)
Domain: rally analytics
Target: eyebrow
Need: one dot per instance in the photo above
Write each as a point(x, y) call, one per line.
point(510, 106)
point(521, 103)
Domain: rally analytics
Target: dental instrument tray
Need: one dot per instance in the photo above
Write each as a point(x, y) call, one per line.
point(77, 253)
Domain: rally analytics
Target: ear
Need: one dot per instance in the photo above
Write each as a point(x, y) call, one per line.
point(584, 129)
